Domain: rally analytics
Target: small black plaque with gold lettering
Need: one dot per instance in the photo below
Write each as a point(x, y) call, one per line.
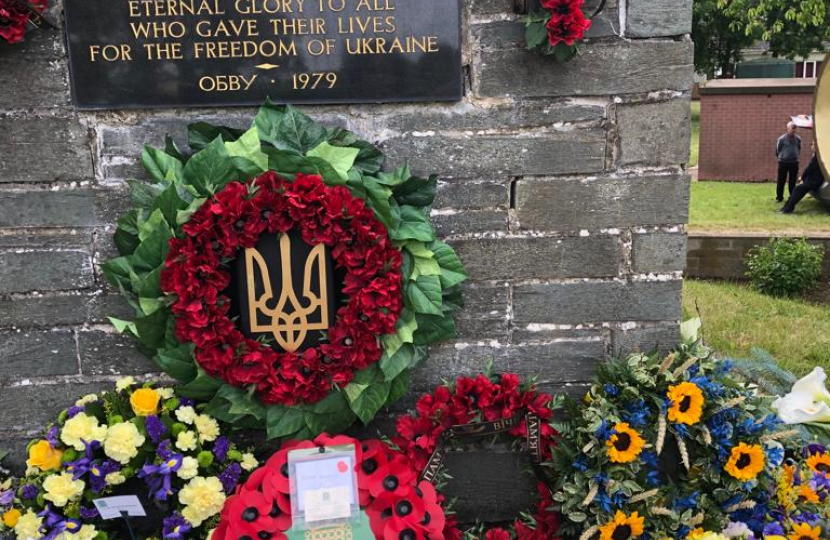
point(174, 53)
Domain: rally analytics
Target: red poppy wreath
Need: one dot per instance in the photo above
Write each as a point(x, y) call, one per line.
point(398, 505)
point(281, 276)
point(486, 405)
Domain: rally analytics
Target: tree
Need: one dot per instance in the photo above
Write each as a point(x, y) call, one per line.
point(722, 28)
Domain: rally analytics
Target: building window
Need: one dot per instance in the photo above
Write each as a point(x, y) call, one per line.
point(807, 70)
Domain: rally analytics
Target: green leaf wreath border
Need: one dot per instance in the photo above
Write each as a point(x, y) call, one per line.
point(284, 140)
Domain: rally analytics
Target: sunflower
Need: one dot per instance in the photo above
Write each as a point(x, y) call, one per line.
point(745, 461)
point(625, 444)
point(819, 463)
point(807, 494)
point(686, 403)
point(623, 527)
point(803, 531)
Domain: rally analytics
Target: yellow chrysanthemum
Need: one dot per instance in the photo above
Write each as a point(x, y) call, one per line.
point(625, 444)
point(82, 428)
point(145, 401)
point(745, 461)
point(44, 457)
point(622, 527)
point(202, 498)
point(28, 526)
point(11, 518)
point(694, 534)
point(686, 403)
point(819, 463)
point(122, 442)
point(61, 489)
point(803, 531)
point(807, 494)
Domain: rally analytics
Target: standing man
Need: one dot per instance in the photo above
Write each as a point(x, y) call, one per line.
point(788, 152)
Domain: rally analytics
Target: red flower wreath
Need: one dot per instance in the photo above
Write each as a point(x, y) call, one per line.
point(233, 219)
point(397, 505)
point(14, 17)
point(481, 399)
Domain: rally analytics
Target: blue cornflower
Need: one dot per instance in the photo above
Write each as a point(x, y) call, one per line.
point(611, 390)
point(651, 462)
point(775, 455)
point(603, 500)
point(682, 430)
point(581, 463)
point(604, 431)
point(684, 503)
point(636, 413)
point(723, 367)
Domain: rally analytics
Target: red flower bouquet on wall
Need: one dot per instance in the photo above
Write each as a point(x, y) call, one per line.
point(558, 28)
point(15, 16)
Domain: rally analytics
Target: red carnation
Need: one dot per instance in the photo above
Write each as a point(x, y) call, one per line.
point(567, 29)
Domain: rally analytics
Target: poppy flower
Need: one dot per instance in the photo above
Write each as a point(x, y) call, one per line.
point(394, 477)
point(686, 403)
point(745, 461)
point(819, 463)
point(803, 531)
point(625, 444)
point(622, 527)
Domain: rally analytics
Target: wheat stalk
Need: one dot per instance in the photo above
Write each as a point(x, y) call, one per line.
point(780, 435)
point(743, 505)
point(589, 533)
point(684, 453)
point(591, 494)
point(661, 433)
point(686, 365)
point(587, 447)
point(697, 520)
point(707, 436)
point(731, 403)
point(666, 364)
point(643, 496)
point(661, 511)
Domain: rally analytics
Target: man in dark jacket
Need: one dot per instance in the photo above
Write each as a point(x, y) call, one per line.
point(788, 152)
point(811, 180)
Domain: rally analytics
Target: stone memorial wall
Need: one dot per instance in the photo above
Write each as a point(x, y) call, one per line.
point(562, 189)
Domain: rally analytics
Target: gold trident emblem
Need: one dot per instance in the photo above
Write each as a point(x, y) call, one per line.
point(289, 329)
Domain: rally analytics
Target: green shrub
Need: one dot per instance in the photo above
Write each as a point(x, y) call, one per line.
point(785, 266)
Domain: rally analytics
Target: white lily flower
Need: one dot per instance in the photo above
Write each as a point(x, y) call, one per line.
point(808, 401)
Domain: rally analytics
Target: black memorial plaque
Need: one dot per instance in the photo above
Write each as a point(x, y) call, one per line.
point(160, 53)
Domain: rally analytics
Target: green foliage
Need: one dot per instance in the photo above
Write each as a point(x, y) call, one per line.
point(785, 266)
point(288, 142)
point(761, 370)
point(721, 29)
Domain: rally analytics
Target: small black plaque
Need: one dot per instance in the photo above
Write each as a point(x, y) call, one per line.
point(158, 53)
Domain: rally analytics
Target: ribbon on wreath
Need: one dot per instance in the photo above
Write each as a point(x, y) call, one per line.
point(483, 429)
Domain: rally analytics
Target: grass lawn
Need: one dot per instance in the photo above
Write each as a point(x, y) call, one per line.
point(736, 318)
point(749, 207)
point(695, 133)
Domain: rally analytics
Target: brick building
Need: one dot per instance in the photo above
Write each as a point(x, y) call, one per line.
point(740, 121)
point(562, 188)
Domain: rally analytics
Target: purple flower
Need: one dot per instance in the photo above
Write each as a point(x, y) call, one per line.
point(186, 402)
point(29, 492)
point(773, 529)
point(81, 466)
point(88, 513)
point(74, 411)
point(56, 524)
point(158, 476)
point(220, 449)
point(52, 436)
point(174, 527)
point(163, 451)
point(6, 497)
point(98, 474)
point(230, 477)
point(155, 428)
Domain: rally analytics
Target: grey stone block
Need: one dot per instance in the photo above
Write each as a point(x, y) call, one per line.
point(659, 252)
point(471, 195)
point(485, 312)
point(589, 203)
point(661, 339)
point(45, 311)
point(470, 222)
point(34, 72)
point(544, 258)
point(43, 149)
point(45, 271)
point(104, 353)
point(596, 302)
point(28, 354)
point(80, 239)
point(654, 134)
point(65, 208)
point(655, 18)
point(25, 411)
point(470, 156)
point(603, 68)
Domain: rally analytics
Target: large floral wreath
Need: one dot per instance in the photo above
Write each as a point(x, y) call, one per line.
point(137, 440)
point(285, 172)
point(399, 506)
point(492, 405)
point(15, 16)
point(664, 446)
